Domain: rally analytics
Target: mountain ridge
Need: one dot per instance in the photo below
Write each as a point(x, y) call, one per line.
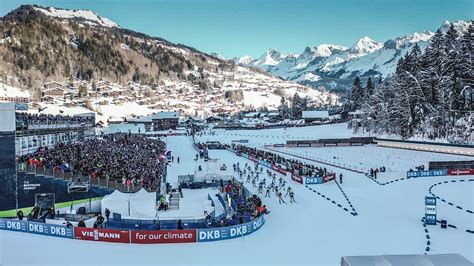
point(336, 68)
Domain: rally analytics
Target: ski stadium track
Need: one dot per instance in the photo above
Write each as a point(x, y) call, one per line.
point(317, 161)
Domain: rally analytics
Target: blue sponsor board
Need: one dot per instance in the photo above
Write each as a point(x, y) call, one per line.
point(312, 180)
point(278, 145)
point(265, 163)
point(430, 200)
point(13, 225)
point(303, 145)
point(427, 173)
point(50, 230)
point(430, 210)
point(216, 234)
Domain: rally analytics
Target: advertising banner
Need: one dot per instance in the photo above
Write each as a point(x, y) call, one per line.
point(329, 177)
point(427, 173)
point(461, 172)
point(163, 236)
point(245, 155)
point(278, 145)
point(297, 178)
point(104, 235)
point(13, 225)
point(216, 234)
point(312, 180)
point(430, 210)
point(303, 145)
point(279, 169)
point(253, 158)
point(50, 230)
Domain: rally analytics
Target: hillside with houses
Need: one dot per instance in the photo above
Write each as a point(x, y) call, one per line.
point(67, 63)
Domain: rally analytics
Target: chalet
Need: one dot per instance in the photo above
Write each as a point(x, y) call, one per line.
point(47, 99)
point(54, 92)
point(52, 85)
point(315, 116)
point(165, 120)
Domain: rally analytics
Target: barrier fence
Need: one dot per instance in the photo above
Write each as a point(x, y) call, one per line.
point(307, 180)
point(134, 236)
point(67, 176)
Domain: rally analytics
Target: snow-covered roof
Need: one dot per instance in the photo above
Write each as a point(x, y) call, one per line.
point(315, 114)
point(402, 260)
point(140, 119)
point(9, 91)
point(165, 115)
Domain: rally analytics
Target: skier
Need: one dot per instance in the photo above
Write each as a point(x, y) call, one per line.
point(292, 197)
point(280, 199)
point(178, 159)
point(288, 191)
point(267, 193)
point(340, 178)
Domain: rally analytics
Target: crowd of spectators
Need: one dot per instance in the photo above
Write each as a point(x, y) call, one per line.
point(247, 205)
point(130, 159)
point(292, 165)
point(25, 119)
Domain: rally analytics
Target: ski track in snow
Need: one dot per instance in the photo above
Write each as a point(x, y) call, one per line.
point(315, 231)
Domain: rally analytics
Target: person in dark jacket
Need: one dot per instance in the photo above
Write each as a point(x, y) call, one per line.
point(20, 215)
point(81, 224)
point(107, 213)
point(99, 221)
point(180, 225)
point(340, 178)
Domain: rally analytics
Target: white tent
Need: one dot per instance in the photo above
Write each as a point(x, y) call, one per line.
point(141, 204)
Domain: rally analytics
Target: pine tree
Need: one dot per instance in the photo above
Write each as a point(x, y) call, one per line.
point(356, 95)
point(283, 109)
point(296, 106)
point(369, 88)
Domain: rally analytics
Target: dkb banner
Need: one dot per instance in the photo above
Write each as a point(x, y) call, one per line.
point(430, 210)
point(216, 234)
point(311, 180)
point(50, 230)
point(13, 225)
point(427, 173)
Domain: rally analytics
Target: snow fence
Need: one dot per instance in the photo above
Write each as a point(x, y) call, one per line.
point(134, 236)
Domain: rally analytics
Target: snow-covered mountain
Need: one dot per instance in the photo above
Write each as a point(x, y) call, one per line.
point(86, 15)
point(334, 66)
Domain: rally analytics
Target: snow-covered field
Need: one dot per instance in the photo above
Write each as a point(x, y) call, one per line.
point(315, 231)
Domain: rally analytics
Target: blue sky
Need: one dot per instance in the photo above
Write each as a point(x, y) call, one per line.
point(241, 27)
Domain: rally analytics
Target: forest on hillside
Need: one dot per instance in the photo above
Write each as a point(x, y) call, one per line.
point(430, 95)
